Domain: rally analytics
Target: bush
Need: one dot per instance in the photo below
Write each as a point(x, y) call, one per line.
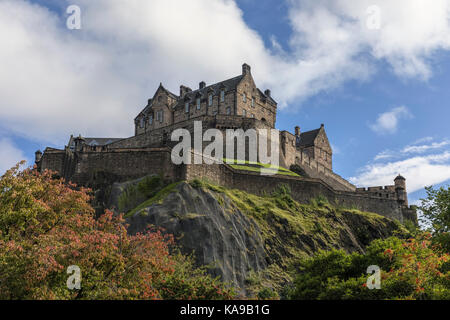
point(415, 269)
point(47, 225)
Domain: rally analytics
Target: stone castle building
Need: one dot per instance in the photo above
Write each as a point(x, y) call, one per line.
point(236, 103)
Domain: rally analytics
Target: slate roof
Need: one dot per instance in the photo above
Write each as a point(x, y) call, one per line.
point(228, 85)
point(307, 138)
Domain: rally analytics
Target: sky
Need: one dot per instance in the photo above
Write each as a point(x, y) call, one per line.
point(376, 73)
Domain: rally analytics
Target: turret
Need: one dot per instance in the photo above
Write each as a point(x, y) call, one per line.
point(37, 156)
point(79, 142)
point(400, 189)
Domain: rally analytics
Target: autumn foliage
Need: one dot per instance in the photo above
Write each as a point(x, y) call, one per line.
point(47, 225)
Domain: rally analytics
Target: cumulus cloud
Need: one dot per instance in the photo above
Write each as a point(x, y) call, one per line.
point(56, 81)
point(11, 155)
point(387, 122)
point(418, 168)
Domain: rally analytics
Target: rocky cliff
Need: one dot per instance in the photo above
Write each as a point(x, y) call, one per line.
point(251, 241)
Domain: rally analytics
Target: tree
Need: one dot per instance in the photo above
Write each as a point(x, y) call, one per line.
point(436, 210)
point(47, 225)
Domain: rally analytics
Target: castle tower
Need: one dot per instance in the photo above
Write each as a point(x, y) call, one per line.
point(400, 189)
point(37, 156)
point(79, 142)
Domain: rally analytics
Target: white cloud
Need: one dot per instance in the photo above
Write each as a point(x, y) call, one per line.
point(425, 147)
point(11, 155)
point(419, 171)
point(387, 122)
point(55, 82)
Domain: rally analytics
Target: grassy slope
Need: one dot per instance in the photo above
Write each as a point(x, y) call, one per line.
point(291, 231)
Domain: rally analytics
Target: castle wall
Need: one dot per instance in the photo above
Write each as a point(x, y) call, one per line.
point(303, 190)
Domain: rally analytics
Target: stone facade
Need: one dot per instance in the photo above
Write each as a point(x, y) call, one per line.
point(235, 103)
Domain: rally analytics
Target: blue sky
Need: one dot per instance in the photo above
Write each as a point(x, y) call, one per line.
point(382, 93)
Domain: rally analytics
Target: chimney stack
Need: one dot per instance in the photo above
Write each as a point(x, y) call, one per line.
point(202, 85)
point(184, 90)
point(297, 131)
point(246, 69)
point(267, 92)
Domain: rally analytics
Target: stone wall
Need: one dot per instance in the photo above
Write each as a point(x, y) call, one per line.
point(303, 190)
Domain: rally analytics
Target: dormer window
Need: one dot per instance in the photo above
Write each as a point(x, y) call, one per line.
point(222, 96)
point(244, 98)
point(198, 103)
point(186, 107)
point(210, 100)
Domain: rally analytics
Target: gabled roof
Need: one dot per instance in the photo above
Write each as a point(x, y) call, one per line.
point(307, 138)
point(170, 94)
point(227, 85)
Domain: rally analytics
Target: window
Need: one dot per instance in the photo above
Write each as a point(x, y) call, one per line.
point(198, 103)
point(222, 96)
point(150, 119)
point(186, 107)
point(228, 110)
point(157, 115)
point(253, 102)
point(210, 100)
point(161, 118)
point(253, 115)
point(244, 113)
point(244, 98)
point(142, 123)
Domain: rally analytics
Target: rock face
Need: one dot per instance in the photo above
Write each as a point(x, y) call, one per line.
point(219, 235)
point(235, 233)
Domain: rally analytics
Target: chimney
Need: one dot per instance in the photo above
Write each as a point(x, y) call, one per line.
point(246, 69)
point(297, 131)
point(322, 125)
point(38, 156)
point(267, 92)
point(184, 90)
point(201, 85)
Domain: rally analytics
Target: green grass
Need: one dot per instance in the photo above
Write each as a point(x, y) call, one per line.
point(258, 167)
point(158, 198)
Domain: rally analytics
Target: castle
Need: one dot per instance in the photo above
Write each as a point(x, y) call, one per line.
point(235, 103)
